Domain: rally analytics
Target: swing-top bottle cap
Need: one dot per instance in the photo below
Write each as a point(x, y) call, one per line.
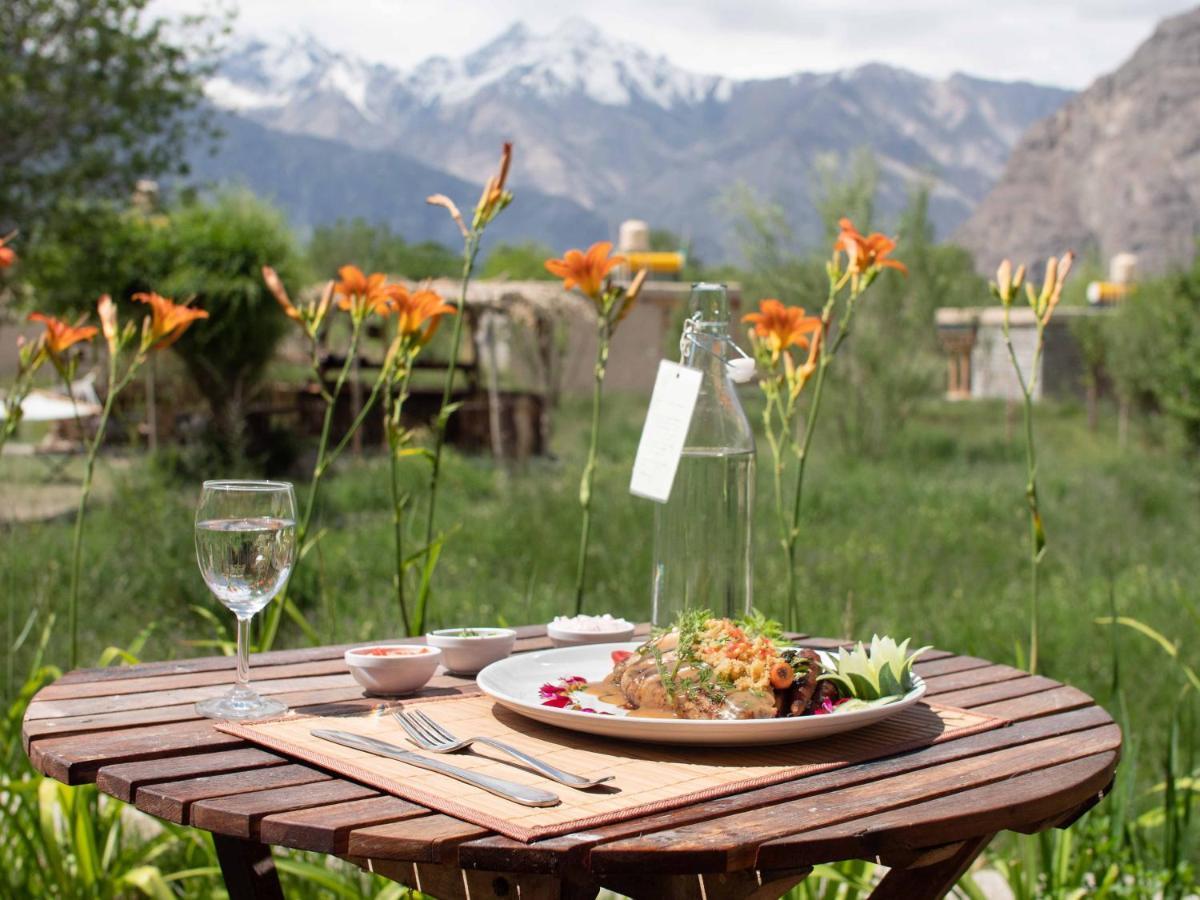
point(711, 301)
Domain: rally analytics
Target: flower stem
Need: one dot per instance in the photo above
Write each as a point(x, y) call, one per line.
point(470, 251)
point(589, 469)
point(275, 613)
point(814, 410)
point(393, 404)
point(1037, 535)
point(85, 490)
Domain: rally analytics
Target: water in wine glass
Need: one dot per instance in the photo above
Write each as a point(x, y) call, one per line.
point(245, 561)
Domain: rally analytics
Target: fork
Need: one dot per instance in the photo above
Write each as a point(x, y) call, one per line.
point(429, 735)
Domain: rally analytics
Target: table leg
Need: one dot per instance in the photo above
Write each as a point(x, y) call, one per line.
point(933, 881)
point(248, 868)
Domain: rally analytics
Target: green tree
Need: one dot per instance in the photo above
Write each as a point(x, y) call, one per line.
point(518, 262)
point(373, 247)
point(846, 190)
point(1154, 349)
point(94, 94)
point(91, 247)
point(215, 252)
point(894, 359)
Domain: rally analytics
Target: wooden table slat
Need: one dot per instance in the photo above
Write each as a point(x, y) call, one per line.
point(171, 800)
point(163, 715)
point(1042, 703)
point(155, 683)
point(123, 779)
point(240, 814)
point(529, 637)
point(1009, 689)
point(431, 838)
point(76, 759)
point(327, 828)
point(928, 668)
point(953, 681)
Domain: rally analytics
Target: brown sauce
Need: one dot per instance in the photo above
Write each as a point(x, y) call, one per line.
point(607, 692)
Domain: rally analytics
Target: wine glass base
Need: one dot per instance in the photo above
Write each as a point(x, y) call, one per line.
point(240, 705)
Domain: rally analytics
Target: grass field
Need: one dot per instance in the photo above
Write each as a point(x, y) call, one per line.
point(925, 540)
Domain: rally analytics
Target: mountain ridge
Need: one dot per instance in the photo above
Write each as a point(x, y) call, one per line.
point(620, 132)
point(1116, 169)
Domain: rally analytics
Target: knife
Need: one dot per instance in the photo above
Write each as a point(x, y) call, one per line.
point(509, 790)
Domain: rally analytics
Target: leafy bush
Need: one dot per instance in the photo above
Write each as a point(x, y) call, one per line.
point(518, 262)
point(374, 248)
point(894, 359)
point(1154, 349)
point(89, 248)
point(215, 252)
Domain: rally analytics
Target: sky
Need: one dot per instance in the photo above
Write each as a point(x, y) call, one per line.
point(1060, 42)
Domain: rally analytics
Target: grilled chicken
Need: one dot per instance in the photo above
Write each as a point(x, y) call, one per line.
point(640, 680)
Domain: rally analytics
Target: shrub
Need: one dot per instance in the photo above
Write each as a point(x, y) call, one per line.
point(374, 248)
point(1154, 349)
point(215, 252)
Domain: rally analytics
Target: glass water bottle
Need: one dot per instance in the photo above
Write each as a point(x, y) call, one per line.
point(702, 555)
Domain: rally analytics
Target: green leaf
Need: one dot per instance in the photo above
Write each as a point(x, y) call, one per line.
point(149, 880)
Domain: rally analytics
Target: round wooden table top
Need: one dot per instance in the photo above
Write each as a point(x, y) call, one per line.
point(926, 813)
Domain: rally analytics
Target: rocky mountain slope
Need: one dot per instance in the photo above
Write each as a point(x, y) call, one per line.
point(1116, 169)
point(617, 132)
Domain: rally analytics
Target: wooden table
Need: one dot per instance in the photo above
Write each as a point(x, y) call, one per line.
point(926, 814)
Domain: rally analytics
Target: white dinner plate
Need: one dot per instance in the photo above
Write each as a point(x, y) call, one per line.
point(514, 684)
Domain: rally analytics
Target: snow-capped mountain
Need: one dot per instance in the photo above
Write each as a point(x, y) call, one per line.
point(620, 132)
point(577, 59)
point(257, 75)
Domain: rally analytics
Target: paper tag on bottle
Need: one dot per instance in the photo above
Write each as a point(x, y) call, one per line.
point(667, 422)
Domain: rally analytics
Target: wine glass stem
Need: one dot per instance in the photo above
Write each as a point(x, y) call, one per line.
point(243, 653)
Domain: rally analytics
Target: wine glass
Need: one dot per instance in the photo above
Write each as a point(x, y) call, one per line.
point(245, 545)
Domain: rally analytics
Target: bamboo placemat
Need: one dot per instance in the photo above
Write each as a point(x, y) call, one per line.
point(650, 778)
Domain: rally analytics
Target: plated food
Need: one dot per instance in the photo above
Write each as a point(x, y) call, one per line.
point(709, 681)
point(710, 668)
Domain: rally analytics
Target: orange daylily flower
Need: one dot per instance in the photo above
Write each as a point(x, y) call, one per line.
point(866, 252)
point(780, 327)
point(168, 320)
point(1056, 274)
point(360, 294)
point(8, 256)
point(419, 313)
point(493, 198)
point(586, 271)
point(60, 336)
point(310, 315)
point(279, 292)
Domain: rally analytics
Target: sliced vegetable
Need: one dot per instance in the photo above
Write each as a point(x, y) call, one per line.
point(884, 671)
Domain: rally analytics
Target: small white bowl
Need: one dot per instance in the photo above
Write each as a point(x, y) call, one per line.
point(562, 636)
point(467, 650)
point(393, 669)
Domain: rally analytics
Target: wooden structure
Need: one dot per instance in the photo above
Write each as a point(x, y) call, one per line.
point(926, 814)
point(978, 362)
